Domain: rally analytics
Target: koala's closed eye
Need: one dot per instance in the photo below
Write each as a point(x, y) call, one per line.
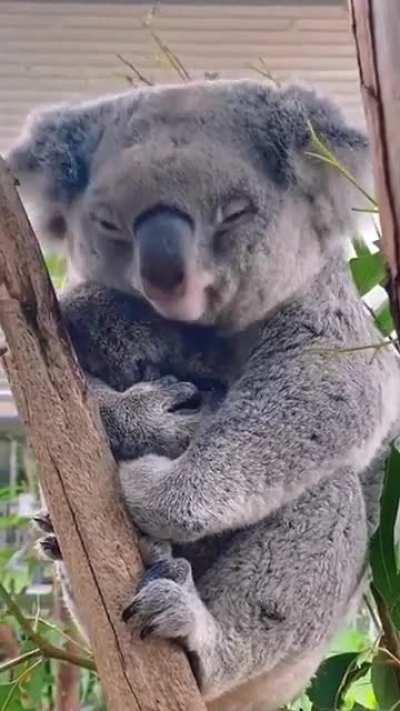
point(107, 225)
point(236, 209)
point(108, 229)
point(103, 218)
point(234, 214)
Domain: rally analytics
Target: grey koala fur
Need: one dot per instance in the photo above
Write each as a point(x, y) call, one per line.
point(255, 507)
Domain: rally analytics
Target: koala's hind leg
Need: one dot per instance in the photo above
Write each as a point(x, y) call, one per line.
point(274, 595)
point(166, 602)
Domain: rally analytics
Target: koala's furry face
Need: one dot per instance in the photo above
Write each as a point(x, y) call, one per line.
point(200, 196)
point(186, 225)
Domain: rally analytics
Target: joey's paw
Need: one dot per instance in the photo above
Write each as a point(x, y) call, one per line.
point(48, 548)
point(165, 602)
point(159, 417)
point(173, 413)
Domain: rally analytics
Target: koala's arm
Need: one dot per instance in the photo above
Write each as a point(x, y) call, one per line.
point(286, 424)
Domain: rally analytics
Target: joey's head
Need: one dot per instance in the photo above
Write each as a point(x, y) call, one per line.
point(202, 197)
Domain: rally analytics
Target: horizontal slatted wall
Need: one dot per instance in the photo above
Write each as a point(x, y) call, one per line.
point(55, 51)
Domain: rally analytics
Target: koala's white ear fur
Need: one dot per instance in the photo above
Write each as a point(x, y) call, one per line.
point(323, 184)
point(52, 160)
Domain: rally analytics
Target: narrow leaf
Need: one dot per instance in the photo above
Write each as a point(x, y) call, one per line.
point(368, 270)
point(384, 319)
point(385, 682)
point(360, 246)
point(382, 547)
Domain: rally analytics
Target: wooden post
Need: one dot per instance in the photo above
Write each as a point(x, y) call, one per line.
point(77, 473)
point(376, 29)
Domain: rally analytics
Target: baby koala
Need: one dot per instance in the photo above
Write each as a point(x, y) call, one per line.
point(204, 243)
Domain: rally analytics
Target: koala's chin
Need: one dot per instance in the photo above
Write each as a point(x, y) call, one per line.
point(189, 304)
point(190, 311)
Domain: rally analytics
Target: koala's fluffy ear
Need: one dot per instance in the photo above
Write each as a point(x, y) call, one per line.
point(52, 160)
point(348, 144)
point(287, 141)
point(334, 197)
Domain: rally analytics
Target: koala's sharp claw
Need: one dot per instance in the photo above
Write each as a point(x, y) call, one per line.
point(50, 548)
point(129, 611)
point(146, 631)
point(43, 522)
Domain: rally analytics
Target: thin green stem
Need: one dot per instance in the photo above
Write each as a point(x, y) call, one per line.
point(63, 634)
point(324, 154)
point(47, 649)
point(52, 652)
point(19, 616)
point(353, 349)
point(10, 663)
point(390, 634)
point(374, 617)
point(341, 169)
point(369, 210)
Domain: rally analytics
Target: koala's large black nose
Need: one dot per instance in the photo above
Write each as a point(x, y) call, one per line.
point(163, 236)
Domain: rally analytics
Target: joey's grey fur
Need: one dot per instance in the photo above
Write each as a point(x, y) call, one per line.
point(209, 246)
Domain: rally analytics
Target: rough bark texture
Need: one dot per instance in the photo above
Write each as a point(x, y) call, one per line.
point(376, 29)
point(77, 473)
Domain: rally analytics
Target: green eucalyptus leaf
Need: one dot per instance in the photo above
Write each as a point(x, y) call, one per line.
point(361, 693)
point(350, 639)
point(384, 319)
point(368, 270)
point(386, 683)
point(33, 687)
point(360, 246)
point(10, 698)
point(382, 547)
point(301, 704)
point(325, 689)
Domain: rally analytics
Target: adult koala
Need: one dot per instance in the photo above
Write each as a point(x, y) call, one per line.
point(219, 248)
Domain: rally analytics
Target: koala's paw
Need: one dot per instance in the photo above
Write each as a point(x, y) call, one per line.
point(164, 604)
point(159, 417)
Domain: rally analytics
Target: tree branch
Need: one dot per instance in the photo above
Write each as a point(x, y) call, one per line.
point(375, 26)
point(77, 474)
